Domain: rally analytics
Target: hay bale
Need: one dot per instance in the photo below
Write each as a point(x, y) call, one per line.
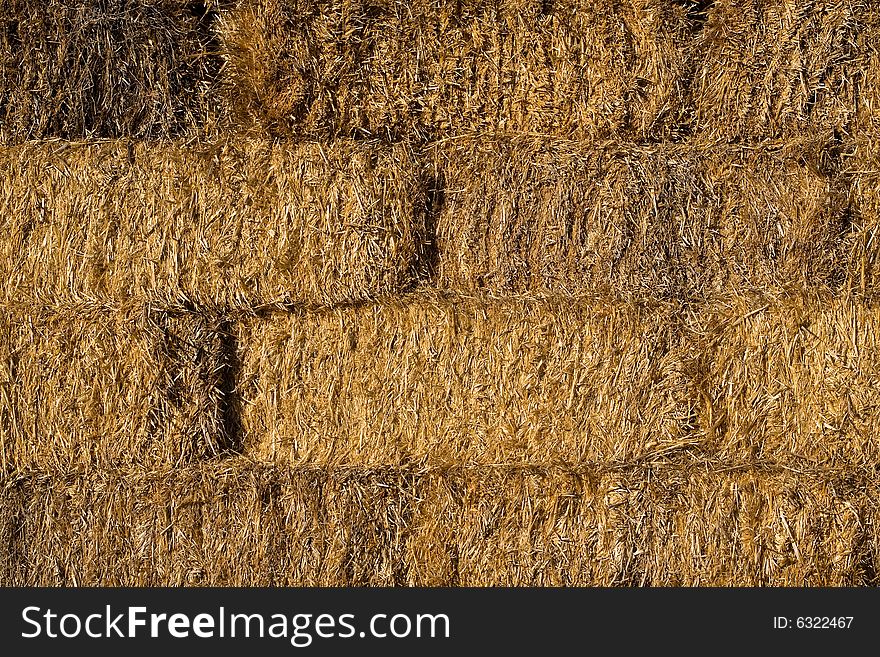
point(224, 523)
point(775, 69)
point(232, 224)
point(674, 221)
point(789, 380)
point(644, 527)
point(154, 525)
point(238, 523)
point(750, 379)
point(460, 380)
point(84, 387)
point(81, 69)
point(567, 67)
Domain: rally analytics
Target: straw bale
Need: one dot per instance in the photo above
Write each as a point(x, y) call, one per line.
point(84, 387)
point(80, 69)
point(663, 220)
point(239, 523)
point(778, 68)
point(460, 380)
point(675, 527)
point(227, 523)
point(567, 67)
point(230, 223)
point(794, 380)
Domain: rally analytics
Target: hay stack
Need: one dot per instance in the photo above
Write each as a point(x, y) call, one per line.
point(241, 224)
point(460, 380)
point(675, 221)
point(775, 69)
point(85, 387)
point(80, 69)
point(244, 524)
point(571, 68)
point(792, 380)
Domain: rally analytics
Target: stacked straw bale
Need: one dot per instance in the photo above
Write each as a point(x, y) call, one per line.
point(247, 524)
point(728, 70)
point(571, 68)
point(464, 381)
point(775, 69)
point(674, 221)
point(792, 380)
point(612, 321)
point(81, 69)
point(234, 223)
point(689, 525)
point(84, 387)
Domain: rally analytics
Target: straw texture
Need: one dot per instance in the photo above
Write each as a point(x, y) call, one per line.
point(433, 293)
